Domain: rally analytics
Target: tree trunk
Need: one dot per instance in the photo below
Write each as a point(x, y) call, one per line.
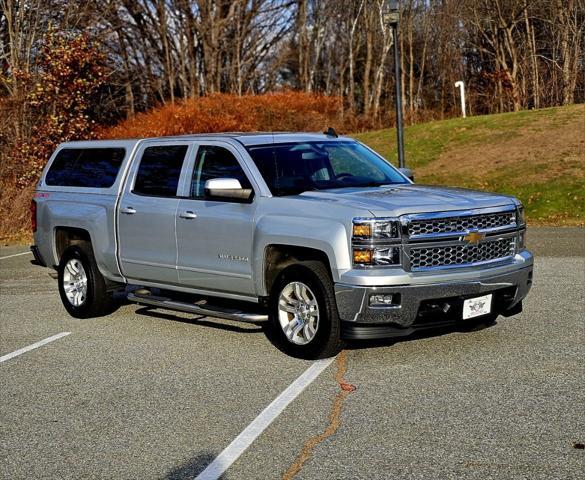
point(351, 45)
point(369, 22)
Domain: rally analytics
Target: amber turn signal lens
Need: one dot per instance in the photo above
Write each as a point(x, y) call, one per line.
point(362, 256)
point(362, 230)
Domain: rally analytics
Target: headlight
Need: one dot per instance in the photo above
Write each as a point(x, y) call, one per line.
point(375, 229)
point(379, 256)
point(370, 238)
point(521, 223)
point(522, 240)
point(520, 220)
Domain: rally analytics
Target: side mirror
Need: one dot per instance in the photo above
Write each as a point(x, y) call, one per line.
point(407, 172)
point(228, 189)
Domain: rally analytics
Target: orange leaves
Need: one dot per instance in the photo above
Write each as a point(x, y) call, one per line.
point(69, 71)
point(283, 111)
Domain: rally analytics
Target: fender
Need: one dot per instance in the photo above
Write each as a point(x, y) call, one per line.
point(94, 218)
point(328, 236)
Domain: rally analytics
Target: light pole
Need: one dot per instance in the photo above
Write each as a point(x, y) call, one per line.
point(391, 15)
point(461, 86)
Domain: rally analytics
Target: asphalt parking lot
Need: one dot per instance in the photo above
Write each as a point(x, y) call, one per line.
point(153, 394)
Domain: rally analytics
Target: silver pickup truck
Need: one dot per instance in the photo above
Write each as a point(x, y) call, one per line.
point(315, 233)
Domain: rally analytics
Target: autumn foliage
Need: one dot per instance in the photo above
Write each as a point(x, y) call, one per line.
point(60, 99)
point(56, 101)
point(284, 111)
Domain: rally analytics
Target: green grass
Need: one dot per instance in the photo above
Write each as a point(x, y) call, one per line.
point(538, 156)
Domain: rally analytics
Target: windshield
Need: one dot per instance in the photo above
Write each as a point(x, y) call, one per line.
point(293, 168)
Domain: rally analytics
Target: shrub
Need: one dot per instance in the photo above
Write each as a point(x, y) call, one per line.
point(60, 97)
point(284, 111)
point(57, 101)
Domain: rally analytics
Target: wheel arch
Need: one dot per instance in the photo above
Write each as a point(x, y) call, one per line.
point(278, 257)
point(65, 237)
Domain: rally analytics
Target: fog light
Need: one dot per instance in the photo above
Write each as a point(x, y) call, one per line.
point(381, 299)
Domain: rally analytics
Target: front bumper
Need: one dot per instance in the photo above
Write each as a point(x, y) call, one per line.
point(430, 304)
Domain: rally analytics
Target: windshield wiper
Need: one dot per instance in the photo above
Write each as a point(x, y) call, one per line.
point(373, 184)
point(284, 192)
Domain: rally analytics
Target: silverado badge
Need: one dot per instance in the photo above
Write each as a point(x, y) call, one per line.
point(229, 256)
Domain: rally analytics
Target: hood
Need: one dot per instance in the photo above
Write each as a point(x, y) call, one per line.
point(398, 200)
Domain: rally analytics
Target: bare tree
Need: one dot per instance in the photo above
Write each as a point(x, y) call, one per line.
point(512, 54)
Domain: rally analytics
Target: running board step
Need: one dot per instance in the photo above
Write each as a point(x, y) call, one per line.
point(206, 310)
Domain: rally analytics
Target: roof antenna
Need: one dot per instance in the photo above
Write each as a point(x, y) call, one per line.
point(331, 132)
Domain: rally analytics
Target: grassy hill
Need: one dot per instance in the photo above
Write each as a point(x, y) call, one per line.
point(538, 156)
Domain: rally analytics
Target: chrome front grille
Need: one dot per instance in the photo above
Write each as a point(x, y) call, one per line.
point(454, 225)
point(460, 255)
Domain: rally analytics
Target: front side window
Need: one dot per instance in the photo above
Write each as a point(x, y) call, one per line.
point(215, 162)
point(293, 168)
point(85, 167)
point(159, 170)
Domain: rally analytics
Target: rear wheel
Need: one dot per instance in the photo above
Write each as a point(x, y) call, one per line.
point(304, 313)
point(81, 285)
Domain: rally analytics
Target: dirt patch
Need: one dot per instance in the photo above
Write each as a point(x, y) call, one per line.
point(543, 150)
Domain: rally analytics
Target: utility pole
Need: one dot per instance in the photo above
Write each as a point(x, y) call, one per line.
point(391, 14)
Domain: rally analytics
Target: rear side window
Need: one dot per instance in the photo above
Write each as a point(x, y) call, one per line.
point(160, 170)
point(85, 167)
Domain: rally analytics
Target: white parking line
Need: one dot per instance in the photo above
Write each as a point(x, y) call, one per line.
point(233, 451)
point(15, 255)
point(38, 344)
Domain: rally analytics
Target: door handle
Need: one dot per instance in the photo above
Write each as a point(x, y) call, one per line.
point(189, 215)
point(128, 210)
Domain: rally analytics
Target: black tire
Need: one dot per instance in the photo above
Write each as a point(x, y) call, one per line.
point(98, 301)
point(327, 340)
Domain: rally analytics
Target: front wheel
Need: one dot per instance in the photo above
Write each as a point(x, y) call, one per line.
point(304, 312)
point(81, 285)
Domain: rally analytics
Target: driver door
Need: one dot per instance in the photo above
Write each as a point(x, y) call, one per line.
point(214, 237)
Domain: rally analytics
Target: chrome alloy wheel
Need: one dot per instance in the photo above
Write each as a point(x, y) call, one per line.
point(75, 282)
point(298, 313)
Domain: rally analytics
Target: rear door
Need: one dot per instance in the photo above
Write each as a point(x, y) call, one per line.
point(214, 238)
point(147, 210)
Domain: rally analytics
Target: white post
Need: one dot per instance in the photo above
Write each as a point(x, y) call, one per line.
point(462, 94)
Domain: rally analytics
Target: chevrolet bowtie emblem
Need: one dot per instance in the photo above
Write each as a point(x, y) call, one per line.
point(473, 238)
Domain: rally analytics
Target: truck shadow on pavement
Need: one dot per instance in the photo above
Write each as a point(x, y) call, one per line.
point(430, 333)
point(201, 320)
point(256, 327)
point(265, 327)
point(192, 468)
